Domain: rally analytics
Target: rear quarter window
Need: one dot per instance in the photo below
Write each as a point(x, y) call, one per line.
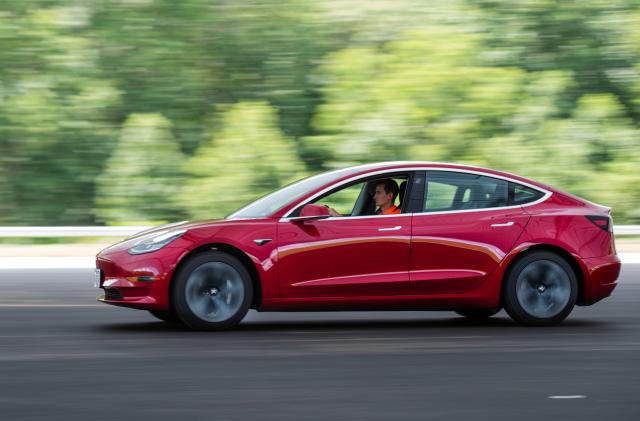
point(521, 195)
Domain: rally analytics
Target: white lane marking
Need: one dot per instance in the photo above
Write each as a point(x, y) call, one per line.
point(567, 397)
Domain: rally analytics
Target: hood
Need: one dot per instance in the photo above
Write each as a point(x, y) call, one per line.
point(174, 226)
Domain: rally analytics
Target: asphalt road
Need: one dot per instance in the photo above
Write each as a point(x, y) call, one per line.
point(63, 356)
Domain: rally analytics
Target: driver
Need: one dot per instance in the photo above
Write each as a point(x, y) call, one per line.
point(384, 196)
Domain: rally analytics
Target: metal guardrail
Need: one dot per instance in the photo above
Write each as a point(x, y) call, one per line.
point(626, 229)
point(53, 232)
point(70, 231)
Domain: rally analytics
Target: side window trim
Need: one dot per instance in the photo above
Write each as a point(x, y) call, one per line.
point(419, 207)
point(414, 197)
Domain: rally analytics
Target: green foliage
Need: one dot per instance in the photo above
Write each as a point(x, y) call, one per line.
point(412, 96)
point(248, 158)
point(142, 175)
point(150, 110)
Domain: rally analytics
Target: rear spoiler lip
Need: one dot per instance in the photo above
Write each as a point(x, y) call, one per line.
point(595, 207)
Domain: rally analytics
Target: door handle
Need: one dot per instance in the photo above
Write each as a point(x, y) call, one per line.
point(396, 228)
point(506, 224)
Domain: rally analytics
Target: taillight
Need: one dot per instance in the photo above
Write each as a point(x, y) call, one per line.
point(602, 222)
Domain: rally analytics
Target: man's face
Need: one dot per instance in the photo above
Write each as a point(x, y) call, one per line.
point(381, 197)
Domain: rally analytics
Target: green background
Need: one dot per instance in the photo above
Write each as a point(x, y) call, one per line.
point(143, 111)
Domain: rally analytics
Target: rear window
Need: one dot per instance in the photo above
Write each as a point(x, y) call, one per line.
point(449, 191)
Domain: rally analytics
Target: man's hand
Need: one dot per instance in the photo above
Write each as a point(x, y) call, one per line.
point(333, 212)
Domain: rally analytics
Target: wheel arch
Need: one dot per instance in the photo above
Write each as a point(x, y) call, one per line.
point(233, 251)
point(567, 256)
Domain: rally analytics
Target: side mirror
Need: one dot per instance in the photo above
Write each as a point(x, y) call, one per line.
point(310, 212)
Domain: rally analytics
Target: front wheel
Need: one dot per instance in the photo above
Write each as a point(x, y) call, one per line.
point(212, 291)
point(540, 290)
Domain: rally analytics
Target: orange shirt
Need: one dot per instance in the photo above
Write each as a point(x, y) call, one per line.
point(392, 209)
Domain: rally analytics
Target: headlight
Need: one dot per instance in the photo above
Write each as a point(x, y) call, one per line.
point(156, 242)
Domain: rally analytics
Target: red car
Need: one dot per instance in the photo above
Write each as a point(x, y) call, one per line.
point(385, 236)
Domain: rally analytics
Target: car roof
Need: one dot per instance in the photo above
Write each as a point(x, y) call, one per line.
point(364, 169)
point(378, 166)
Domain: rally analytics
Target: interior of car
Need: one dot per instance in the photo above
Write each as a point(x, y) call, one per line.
point(356, 199)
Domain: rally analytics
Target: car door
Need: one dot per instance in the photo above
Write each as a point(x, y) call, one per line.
point(345, 256)
point(465, 229)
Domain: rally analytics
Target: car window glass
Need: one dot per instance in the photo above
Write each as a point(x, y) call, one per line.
point(467, 195)
point(440, 195)
point(523, 194)
point(343, 200)
point(270, 203)
point(358, 199)
point(450, 191)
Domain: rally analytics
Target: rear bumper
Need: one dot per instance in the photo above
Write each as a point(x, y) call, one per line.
point(600, 278)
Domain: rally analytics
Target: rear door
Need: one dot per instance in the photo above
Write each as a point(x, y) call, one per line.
point(465, 228)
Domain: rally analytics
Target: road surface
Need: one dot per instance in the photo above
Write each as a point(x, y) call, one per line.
point(64, 356)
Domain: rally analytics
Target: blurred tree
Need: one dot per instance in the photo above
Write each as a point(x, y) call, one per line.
point(249, 157)
point(143, 174)
point(545, 88)
point(414, 95)
point(56, 114)
point(596, 40)
point(183, 58)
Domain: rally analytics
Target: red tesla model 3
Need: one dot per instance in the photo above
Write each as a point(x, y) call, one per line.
point(460, 238)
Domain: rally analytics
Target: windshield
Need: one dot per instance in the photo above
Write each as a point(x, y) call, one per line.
point(270, 203)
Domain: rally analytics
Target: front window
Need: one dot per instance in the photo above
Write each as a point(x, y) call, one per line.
point(267, 205)
point(382, 194)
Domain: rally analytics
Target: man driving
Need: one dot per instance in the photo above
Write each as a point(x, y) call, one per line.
point(384, 197)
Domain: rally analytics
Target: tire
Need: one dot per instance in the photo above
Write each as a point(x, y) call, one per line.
point(165, 316)
point(212, 291)
point(540, 289)
point(478, 313)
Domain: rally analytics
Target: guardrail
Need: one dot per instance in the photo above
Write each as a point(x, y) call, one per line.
point(70, 231)
point(626, 229)
point(53, 232)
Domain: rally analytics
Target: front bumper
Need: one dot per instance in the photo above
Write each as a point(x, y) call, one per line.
point(137, 281)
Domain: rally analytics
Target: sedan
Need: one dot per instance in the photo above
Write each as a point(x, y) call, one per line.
point(384, 236)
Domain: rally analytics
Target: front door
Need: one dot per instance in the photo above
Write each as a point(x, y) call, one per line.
point(355, 254)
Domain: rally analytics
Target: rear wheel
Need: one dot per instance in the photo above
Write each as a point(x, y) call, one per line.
point(540, 290)
point(478, 313)
point(212, 291)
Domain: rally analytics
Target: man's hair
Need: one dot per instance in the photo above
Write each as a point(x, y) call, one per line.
point(390, 186)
